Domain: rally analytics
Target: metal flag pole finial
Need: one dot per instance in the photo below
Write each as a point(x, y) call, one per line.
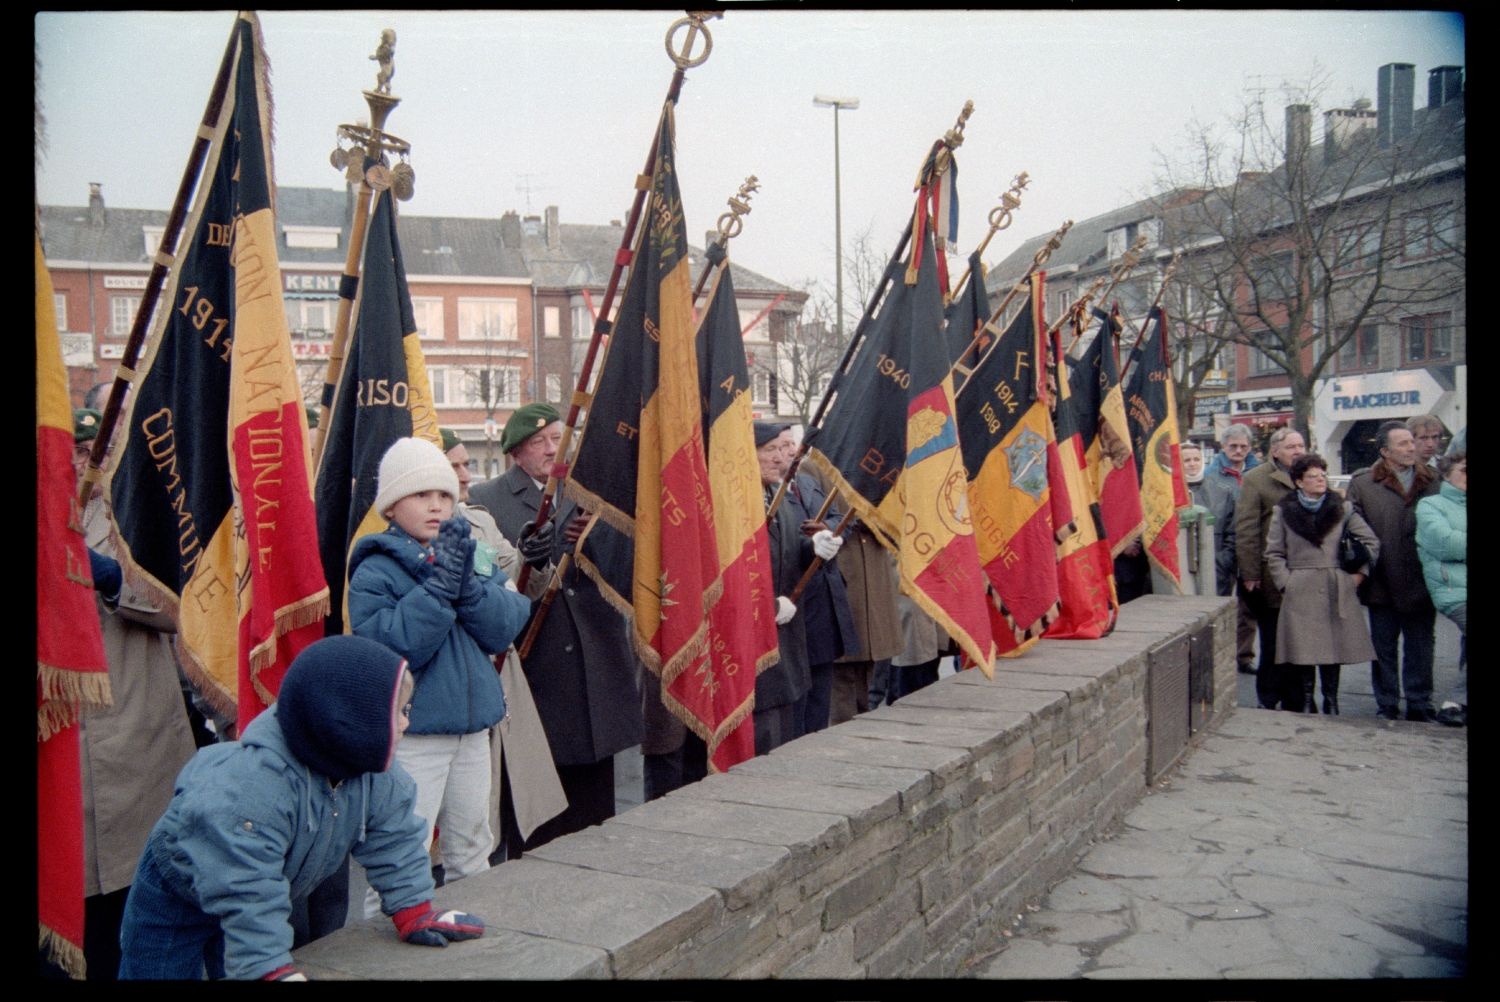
point(694, 22)
point(730, 224)
point(952, 140)
point(355, 144)
point(999, 218)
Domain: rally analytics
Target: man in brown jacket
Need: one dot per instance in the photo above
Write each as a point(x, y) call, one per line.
point(1401, 611)
point(1262, 488)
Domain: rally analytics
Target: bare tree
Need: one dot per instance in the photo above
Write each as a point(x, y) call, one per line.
point(1296, 250)
point(804, 360)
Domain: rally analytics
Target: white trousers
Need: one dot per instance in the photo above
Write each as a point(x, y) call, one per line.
point(452, 773)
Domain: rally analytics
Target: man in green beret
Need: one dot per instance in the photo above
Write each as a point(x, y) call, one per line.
point(582, 668)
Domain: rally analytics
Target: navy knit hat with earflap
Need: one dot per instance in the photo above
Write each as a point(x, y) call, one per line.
point(337, 706)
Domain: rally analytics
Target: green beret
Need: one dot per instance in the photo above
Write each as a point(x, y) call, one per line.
point(526, 422)
point(86, 425)
point(450, 438)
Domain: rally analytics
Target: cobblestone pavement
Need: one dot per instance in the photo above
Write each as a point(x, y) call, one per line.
point(1282, 846)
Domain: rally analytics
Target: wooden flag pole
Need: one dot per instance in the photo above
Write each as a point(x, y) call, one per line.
point(161, 265)
point(370, 142)
point(1161, 291)
point(938, 159)
point(992, 324)
point(1000, 218)
point(684, 59)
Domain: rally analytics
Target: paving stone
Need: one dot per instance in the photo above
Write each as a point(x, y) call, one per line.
point(805, 832)
point(1025, 959)
point(634, 918)
point(1076, 927)
point(370, 950)
point(862, 806)
point(740, 870)
point(910, 782)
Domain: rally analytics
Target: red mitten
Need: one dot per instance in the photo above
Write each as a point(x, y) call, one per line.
point(421, 925)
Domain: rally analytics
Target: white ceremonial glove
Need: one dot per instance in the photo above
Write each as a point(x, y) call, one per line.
point(826, 544)
point(785, 610)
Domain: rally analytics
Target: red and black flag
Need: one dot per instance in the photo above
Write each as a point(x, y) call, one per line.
point(889, 443)
point(1085, 567)
point(223, 535)
point(1151, 408)
point(1009, 448)
point(643, 467)
point(71, 670)
point(383, 394)
point(1100, 406)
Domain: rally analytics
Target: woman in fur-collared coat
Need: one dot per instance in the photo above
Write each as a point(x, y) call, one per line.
point(1320, 622)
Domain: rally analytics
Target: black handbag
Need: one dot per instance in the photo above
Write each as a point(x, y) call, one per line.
point(1354, 556)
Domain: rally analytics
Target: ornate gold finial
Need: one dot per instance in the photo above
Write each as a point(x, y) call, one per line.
point(730, 224)
point(385, 55)
point(1010, 201)
point(1127, 262)
point(952, 140)
point(694, 23)
point(372, 141)
point(1045, 252)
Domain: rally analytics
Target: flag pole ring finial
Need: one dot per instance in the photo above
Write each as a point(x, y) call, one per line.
point(684, 58)
point(730, 224)
point(1000, 215)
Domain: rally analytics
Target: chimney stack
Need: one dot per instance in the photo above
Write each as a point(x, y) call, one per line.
point(1342, 127)
point(510, 229)
point(1395, 84)
point(1444, 83)
point(96, 203)
point(554, 229)
point(1298, 136)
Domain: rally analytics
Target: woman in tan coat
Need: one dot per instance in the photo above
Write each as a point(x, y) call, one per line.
point(1321, 623)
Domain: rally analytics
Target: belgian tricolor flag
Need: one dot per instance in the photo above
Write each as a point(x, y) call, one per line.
point(224, 535)
point(1151, 408)
point(643, 466)
point(71, 671)
point(889, 443)
point(1100, 406)
point(1085, 567)
point(1009, 448)
point(383, 394)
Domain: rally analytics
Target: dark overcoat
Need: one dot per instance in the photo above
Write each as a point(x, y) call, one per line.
point(790, 679)
point(1260, 490)
point(824, 603)
point(1392, 513)
point(582, 669)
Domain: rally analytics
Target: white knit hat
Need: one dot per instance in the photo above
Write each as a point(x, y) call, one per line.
point(411, 466)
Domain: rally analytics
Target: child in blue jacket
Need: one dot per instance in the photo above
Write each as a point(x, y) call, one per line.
point(415, 588)
point(257, 822)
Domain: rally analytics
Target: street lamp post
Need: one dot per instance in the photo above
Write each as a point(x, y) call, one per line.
point(837, 103)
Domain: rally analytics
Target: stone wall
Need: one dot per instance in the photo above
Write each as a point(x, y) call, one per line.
point(895, 845)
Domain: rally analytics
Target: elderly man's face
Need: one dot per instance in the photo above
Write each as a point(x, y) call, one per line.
point(773, 457)
point(459, 457)
point(537, 453)
point(1290, 449)
point(1235, 451)
point(1400, 449)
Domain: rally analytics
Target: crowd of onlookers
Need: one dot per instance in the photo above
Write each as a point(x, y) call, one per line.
point(1326, 580)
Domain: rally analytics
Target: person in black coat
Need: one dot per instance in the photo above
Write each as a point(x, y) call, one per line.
point(582, 669)
point(824, 603)
point(781, 690)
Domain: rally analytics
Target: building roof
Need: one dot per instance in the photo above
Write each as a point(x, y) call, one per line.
point(587, 253)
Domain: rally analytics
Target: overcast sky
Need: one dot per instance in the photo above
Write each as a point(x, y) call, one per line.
point(514, 110)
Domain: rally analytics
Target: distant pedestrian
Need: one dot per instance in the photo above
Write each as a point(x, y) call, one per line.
point(1320, 623)
point(1401, 611)
point(1443, 545)
point(1263, 488)
point(1223, 479)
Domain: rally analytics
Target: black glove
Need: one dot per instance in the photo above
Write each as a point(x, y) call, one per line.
point(536, 543)
point(106, 574)
point(452, 559)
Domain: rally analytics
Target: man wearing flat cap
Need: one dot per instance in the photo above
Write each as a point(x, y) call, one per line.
point(581, 668)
